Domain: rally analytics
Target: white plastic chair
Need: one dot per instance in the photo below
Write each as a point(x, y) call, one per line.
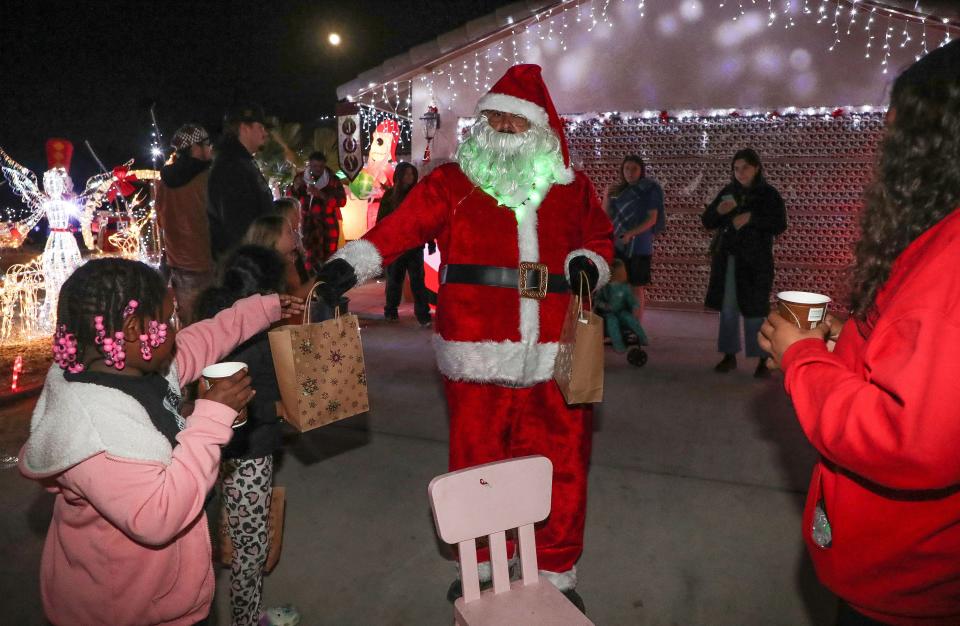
point(487, 500)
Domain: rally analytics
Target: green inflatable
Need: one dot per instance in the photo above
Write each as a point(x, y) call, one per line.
point(362, 185)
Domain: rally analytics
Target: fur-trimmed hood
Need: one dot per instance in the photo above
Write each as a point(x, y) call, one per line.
point(74, 421)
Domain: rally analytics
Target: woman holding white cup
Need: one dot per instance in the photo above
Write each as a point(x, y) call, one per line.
point(882, 518)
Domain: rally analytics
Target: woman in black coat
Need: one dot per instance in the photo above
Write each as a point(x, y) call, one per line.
point(746, 215)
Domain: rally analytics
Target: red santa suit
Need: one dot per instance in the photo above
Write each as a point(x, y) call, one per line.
point(495, 347)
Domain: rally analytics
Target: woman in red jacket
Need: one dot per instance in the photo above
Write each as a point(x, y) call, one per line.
point(882, 519)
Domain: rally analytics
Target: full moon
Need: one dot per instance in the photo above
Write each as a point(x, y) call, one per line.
point(334, 39)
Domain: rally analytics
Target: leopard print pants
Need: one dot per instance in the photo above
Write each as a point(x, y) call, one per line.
point(246, 488)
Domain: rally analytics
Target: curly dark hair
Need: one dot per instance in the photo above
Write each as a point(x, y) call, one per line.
point(917, 180)
point(105, 287)
point(248, 270)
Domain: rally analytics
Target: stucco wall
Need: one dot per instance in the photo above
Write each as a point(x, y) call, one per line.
point(681, 55)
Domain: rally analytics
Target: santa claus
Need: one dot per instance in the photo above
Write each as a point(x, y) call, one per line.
point(516, 227)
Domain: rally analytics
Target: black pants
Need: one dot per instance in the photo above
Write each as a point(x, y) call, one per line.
point(411, 263)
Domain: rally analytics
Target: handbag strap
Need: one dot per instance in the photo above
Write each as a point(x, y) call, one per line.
point(306, 304)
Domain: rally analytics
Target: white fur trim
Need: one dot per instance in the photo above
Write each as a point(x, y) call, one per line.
point(363, 257)
point(485, 570)
point(529, 320)
point(565, 176)
point(511, 104)
point(602, 267)
point(528, 245)
point(563, 581)
point(511, 363)
point(75, 421)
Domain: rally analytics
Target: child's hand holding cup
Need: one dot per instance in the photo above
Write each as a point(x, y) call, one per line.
point(228, 383)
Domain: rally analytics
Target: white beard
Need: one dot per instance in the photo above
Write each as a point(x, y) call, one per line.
point(504, 164)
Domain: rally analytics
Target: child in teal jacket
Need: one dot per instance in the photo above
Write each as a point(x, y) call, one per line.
point(616, 303)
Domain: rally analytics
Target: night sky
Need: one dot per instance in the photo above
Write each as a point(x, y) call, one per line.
point(89, 70)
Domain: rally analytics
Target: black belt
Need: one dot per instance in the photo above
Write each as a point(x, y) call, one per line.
point(531, 279)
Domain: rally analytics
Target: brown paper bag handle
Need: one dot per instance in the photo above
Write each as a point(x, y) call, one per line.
point(306, 304)
point(583, 282)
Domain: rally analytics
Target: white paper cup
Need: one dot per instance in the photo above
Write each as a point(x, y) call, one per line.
point(218, 371)
point(805, 309)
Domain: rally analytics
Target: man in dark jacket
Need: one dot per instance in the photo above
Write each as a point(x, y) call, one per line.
point(238, 192)
point(182, 214)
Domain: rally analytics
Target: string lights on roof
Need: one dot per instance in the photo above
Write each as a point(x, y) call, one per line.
point(559, 22)
point(681, 115)
point(371, 116)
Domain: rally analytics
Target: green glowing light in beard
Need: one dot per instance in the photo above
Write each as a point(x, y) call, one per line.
point(484, 172)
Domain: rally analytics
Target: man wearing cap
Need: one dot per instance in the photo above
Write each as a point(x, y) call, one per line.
point(516, 227)
point(182, 214)
point(238, 192)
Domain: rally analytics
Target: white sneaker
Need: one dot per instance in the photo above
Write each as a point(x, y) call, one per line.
point(286, 615)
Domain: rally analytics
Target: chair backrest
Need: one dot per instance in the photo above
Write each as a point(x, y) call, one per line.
point(485, 499)
point(489, 500)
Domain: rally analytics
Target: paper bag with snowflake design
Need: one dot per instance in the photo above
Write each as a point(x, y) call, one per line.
point(320, 371)
point(578, 369)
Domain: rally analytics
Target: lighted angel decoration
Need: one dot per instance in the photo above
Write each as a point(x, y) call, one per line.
point(58, 204)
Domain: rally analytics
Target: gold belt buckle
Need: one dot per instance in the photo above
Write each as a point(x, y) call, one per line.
point(540, 292)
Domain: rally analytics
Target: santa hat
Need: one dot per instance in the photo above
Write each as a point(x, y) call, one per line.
point(59, 153)
point(521, 91)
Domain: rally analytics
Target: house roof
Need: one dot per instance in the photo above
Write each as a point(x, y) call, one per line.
point(455, 42)
point(493, 26)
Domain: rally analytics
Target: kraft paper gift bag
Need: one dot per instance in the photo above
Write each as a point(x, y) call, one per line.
point(278, 504)
point(320, 371)
point(578, 369)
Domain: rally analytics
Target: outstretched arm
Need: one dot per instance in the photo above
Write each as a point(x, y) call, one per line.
point(419, 218)
point(207, 342)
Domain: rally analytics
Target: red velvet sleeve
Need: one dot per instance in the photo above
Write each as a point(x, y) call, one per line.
point(898, 423)
point(597, 229)
point(418, 219)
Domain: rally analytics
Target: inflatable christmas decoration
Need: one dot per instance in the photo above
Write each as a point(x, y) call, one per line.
point(377, 174)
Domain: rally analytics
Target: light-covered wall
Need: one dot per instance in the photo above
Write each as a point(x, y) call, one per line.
point(684, 54)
